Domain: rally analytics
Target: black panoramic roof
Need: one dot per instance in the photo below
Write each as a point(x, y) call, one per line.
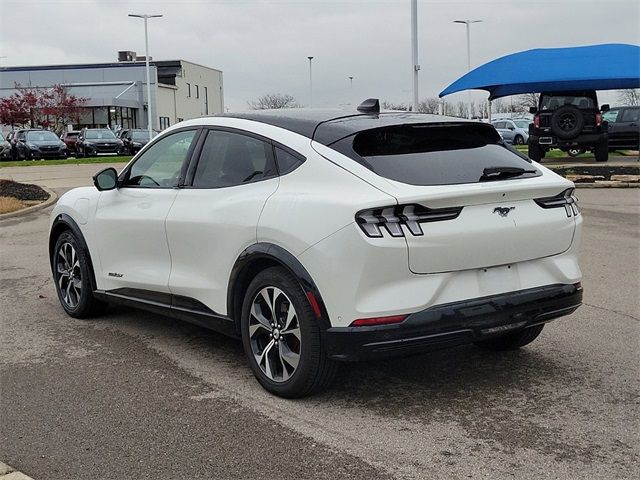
point(329, 126)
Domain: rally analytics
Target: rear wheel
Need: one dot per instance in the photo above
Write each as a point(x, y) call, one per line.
point(518, 140)
point(71, 273)
point(512, 341)
point(281, 336)
point(536, 153)
point(601, 152)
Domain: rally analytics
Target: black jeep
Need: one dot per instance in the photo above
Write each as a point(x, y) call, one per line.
point(568, 121)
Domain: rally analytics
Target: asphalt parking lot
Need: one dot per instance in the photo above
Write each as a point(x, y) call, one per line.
point(133, 395)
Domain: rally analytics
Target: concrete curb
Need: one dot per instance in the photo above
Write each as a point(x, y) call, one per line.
point(8, 473)
point(53, 197)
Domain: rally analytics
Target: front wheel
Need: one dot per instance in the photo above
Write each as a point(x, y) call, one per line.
point(281, 336)
point(71, 273)
point(512, 341)
point(518, 140)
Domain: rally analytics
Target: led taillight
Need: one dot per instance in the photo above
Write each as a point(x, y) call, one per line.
point(598, 119)
point(368, 322)
point(565, 199)
point(392, 218)
point(536, 121)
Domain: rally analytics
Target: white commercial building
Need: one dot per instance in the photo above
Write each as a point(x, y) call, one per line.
point(116, 94)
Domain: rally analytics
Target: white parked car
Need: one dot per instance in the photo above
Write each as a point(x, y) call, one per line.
point(325, 236)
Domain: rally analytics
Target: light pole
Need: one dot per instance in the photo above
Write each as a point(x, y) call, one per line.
point(467, 23)
point(310, 83)
point(146, 60)
point(414, 51)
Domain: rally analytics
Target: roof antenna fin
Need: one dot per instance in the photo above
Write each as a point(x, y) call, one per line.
point(370, 105)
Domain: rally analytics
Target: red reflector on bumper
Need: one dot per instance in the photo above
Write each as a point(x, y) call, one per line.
point(365, 322)
point(578, 285)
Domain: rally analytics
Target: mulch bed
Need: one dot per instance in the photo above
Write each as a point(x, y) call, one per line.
point(22, 191)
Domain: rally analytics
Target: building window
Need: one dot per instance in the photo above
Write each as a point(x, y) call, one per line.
point(164, 123)
point(188, 89)
point(180, 119)
point(197, 92)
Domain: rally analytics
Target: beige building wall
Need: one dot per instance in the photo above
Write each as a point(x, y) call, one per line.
point(198, 91)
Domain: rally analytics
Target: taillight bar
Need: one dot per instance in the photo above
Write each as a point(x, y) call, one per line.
point(536, 121)
point(393, 217)
point(565, 199)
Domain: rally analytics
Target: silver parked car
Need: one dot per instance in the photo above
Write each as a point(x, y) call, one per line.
point(515, 131)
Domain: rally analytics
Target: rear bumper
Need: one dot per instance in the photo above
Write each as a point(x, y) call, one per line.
point(550, 140)
point(453, 324)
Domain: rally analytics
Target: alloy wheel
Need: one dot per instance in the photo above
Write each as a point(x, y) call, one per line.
point(69, 275)
point(274, 334)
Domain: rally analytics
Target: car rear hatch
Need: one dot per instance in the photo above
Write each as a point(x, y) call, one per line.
point(465, 200)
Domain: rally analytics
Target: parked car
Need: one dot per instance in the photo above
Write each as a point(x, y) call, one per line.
point(96, 141)
point(5, 148)
point(39, 144)
point(135, 139)
point(569, 121)
point(69, 139)
point(515, 132)
point(318, 237)
point(624, 128)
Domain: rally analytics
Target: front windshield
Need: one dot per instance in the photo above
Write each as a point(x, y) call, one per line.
point(101, 134)
point(141, 135)
point(522, 123)
point(43, 136)
point(610, 116)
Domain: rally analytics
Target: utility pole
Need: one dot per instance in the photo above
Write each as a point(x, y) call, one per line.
point(310, 83)
point(414, 51)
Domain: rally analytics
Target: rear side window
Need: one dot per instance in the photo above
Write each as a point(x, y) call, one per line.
point(229, 159)
point(287, 161)
point(434, 154)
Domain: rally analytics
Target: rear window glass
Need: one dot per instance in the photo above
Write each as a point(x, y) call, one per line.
point(434, 154)
point(551, 102)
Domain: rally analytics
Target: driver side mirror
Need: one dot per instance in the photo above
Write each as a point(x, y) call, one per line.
point(604, 108)
point(533, 110)
point(106, 179)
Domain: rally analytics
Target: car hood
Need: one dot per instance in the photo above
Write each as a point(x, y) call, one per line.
point(46, 143)
point(102, 140)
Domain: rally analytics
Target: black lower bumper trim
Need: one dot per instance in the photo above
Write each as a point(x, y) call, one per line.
point(454, 324)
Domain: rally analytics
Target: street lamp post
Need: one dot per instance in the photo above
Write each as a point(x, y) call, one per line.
point(310, 83)
point(146, 17)
point(467, 23)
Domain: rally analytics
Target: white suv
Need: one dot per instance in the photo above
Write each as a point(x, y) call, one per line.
point(321, 236)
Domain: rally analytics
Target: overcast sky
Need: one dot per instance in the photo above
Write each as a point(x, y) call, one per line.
point(262, 46)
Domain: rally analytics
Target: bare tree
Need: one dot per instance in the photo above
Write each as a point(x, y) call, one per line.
point(461, 109)
point(272, 101)
point(394, 106)
point(630, 97)
point(429, 105)
point(526, 100)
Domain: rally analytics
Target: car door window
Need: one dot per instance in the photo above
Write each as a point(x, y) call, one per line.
point(160, 165)
point(630, 115)
point(499, 125)
point(229, 158)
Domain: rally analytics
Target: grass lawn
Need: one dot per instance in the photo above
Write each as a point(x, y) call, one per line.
point(68, 161)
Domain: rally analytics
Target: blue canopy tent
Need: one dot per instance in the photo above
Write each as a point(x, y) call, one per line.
point(595, 67)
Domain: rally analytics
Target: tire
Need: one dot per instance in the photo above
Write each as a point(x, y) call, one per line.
point(567, 122)
point(79, 153)
point(309, 370)
point(535, 152)
point(72, 278)
point(601, 152)
point(511, 341)
point(518, 140)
